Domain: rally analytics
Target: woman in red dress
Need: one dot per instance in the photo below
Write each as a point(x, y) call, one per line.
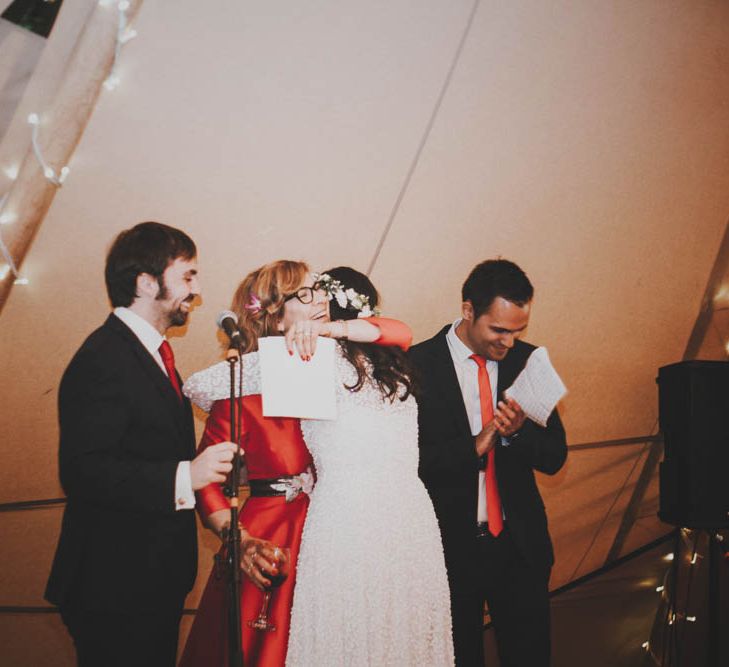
point(281, 297)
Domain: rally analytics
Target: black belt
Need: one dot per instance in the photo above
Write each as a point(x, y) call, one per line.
point(286, 485)
point(263, 488)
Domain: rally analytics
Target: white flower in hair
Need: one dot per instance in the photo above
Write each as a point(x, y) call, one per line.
point(345, 298)
point(341, 298)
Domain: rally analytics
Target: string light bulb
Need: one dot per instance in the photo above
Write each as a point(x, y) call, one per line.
point(111, 82)
point(48, 171)
point(11, 172)
point(9, 265)
point(123, 35)
point(129, 34)
point(721, 298)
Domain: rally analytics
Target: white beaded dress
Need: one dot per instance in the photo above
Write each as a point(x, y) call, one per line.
point(371, 585)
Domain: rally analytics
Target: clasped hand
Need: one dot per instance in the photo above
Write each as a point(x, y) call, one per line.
point(508, 419)
point(258, 559)
point(212, 464)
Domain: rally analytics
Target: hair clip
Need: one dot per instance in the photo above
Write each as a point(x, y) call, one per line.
point(254, 305)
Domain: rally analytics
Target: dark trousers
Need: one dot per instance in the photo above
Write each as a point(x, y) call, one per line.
point(517, 596)
point(113, 639)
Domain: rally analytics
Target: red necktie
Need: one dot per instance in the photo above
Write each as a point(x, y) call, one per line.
point(168, 359)
point(493, 500)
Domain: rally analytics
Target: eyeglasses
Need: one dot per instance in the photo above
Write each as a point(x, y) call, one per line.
point(304, 294)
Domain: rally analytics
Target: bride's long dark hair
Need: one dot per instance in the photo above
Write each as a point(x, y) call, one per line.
point(391, 368)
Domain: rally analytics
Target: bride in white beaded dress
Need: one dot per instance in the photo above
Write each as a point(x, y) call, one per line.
point(371, 584)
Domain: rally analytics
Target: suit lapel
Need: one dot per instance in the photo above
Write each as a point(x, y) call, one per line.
point(187, 423)
point(180, 413)
point(447, 382)
point(504, 380)
point(509, 368)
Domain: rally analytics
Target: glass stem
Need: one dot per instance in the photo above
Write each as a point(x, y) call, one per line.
point(263, 614)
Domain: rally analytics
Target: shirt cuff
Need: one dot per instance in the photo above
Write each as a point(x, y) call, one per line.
point(184, 495)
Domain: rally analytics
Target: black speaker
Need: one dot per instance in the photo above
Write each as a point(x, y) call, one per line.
point(693, 412)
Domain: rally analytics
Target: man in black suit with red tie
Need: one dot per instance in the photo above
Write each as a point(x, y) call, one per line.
point(478, 453)
point(127, 553)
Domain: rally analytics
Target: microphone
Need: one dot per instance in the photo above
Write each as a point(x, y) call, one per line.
point(228, 322)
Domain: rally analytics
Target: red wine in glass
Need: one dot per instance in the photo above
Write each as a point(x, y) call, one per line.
point(276, 579)
point(262, 622)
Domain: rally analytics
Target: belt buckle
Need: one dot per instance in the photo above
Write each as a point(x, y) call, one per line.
point(293, 485)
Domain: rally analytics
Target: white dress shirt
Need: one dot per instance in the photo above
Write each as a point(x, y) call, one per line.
point(467, 374)
point(151, 339)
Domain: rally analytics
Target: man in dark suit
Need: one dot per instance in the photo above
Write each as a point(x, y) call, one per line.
point(127, 553)
point(478, 453)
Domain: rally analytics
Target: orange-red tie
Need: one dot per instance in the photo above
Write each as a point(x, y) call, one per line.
point(493, 500)
point(168, 359)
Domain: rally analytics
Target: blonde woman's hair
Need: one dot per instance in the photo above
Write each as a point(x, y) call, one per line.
point(266, 286)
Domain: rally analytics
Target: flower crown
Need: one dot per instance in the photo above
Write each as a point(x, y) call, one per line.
point(346, 298)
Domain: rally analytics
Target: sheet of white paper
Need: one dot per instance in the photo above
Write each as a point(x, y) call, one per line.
point(538, 388)
point(295, 388)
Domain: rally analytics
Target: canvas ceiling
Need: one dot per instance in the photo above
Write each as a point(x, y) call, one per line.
point(587, 141)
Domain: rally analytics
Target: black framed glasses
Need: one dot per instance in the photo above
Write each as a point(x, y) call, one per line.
point(304, 294)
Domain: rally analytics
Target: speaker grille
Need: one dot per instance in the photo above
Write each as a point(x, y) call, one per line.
point(694, 419)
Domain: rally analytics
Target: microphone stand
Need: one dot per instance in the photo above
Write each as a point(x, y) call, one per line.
point(231, 535)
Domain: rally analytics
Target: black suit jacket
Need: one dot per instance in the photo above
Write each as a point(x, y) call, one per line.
point(123, 546)
point(449, 465)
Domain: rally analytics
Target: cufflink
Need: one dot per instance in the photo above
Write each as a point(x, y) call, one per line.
point(180, 501)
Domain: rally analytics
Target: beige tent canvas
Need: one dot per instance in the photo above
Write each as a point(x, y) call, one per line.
point(587, 142)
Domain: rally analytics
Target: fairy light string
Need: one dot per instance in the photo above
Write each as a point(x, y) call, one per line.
point(123, 35)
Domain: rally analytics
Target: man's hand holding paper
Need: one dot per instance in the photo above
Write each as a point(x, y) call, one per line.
point(537, 389)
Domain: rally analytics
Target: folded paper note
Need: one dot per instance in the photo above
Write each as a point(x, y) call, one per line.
point(291, 387)
point(538, 388)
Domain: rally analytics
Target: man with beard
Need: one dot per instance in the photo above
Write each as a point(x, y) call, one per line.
point(127, 553)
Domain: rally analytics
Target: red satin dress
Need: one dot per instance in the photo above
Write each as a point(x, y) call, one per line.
point(274, 447)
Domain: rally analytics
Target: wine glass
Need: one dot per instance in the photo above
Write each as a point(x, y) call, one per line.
point(262, 622)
